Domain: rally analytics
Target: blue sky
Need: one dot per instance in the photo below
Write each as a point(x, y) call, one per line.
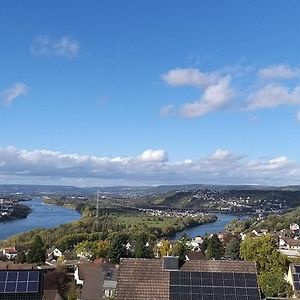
point(149, 92)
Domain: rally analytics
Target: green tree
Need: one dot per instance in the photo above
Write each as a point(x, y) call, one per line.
point(273, 284)
point(72, 293)
point(37, 251)
point(102, 249)
point(263, 250)
point(180, 249)
point(232, 249)
point(87, 249)
point(118, 248)
point(271, 264)
point(142, 247)
point(215, 249)
point(165, 248)
point(21, 258)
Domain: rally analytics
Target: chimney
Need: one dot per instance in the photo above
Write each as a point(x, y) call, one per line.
point(170, 263)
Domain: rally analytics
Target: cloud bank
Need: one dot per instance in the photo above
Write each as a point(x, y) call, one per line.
point(150, 167)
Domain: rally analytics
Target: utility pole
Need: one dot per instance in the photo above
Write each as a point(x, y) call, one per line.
point(97, 212)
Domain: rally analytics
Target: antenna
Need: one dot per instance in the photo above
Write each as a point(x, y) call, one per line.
point(97, 212)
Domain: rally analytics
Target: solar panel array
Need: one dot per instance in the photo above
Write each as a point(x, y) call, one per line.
point(296, 277)
point(19, 281)
point(213, 286)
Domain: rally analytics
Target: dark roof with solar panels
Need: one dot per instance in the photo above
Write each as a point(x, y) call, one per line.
point(210, 280)
point(296, 277)
point(21, 285)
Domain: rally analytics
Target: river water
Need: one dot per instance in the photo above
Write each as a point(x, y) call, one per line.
point(42, 215)
point(48, 216)
point(218, 226)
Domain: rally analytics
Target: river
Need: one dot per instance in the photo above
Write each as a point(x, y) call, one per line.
point(42, 215)
point(218, 226)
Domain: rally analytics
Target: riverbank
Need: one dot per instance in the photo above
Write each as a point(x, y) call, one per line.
point(209, 228)
point(20, 211)
point(41, 216)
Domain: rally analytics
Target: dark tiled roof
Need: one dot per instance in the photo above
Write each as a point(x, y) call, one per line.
point(219, 266)
point(145, 279)
point(12, 266)
point(195, 255)
point(52, 295)
point(93, 276)
point(292, 242)
point(142, 279)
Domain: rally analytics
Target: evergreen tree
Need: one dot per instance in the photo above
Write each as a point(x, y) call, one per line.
point(37, 251)
point(21, 258)
point(142, 247)
point(215, 248)
point(180, 249)
point(118, 248)
point(233, 249)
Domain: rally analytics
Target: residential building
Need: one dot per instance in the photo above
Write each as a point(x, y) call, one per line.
point(98, 280)
point(165, 279)
point(294, 279)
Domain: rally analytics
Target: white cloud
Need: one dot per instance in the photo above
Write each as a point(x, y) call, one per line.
point(273, 95)
point(64, 47)
point(216, 94)
point(154, 156)
point(280, 71)
point(214, 98)
point(151, 167)
point(298, 116)
point(10, 94)
point(190, 77)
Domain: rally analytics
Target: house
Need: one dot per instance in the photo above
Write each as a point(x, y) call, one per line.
point(10, 253)
point(289, 243)
point(293, 278)
point(165, 279)
point(290, 253)
point(98, 280)
point(54, 252)
point(259, 232)
point(294, 227)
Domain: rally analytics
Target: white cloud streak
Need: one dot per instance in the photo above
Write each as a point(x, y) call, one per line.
point(151, 167)
point(64, 47)
point(273, 95)
point(280, 71)
point(190, 77)
point(10, 94)
point(215, 97)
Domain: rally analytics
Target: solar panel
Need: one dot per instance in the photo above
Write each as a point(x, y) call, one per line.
point(32, 286)
point(2, 286)
point(21, 287)
point(213, 285)
point(33, 276)
point(297, 269)
point(19, 281)
point(3, 276)
point(23, 276)
point(10, 287)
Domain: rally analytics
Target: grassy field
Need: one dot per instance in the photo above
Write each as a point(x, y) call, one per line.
point(149, 221)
